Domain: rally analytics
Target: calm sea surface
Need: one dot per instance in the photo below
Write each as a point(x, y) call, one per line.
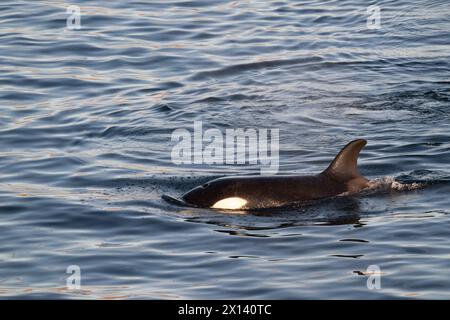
point(86, 118)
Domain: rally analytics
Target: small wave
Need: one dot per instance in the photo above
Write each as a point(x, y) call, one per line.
point(390, 183)
point(385, 184)
point(242, 67)
point(406, 186)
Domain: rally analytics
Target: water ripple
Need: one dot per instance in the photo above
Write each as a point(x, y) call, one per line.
point(85, 126)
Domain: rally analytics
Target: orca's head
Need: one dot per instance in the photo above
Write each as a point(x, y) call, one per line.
point(214, 194)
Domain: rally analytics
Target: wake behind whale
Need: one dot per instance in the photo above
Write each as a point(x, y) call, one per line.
point(341, 178)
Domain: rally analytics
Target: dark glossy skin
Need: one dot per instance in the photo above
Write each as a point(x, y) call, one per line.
point(341, 176)
point(264, 192)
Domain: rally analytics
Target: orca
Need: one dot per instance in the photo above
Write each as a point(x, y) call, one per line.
point(256, 192)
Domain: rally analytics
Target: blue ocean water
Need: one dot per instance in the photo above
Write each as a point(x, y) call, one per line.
point(86, 118)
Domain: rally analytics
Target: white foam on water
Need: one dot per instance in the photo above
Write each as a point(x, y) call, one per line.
point(406, 186)
point(387, 183)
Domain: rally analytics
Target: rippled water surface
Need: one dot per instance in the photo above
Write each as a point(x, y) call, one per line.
point(85, 147)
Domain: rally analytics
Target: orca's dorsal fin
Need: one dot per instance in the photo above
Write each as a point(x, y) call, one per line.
point(345, 165)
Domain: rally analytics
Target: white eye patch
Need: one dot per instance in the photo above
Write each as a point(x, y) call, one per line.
point(230, 203)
